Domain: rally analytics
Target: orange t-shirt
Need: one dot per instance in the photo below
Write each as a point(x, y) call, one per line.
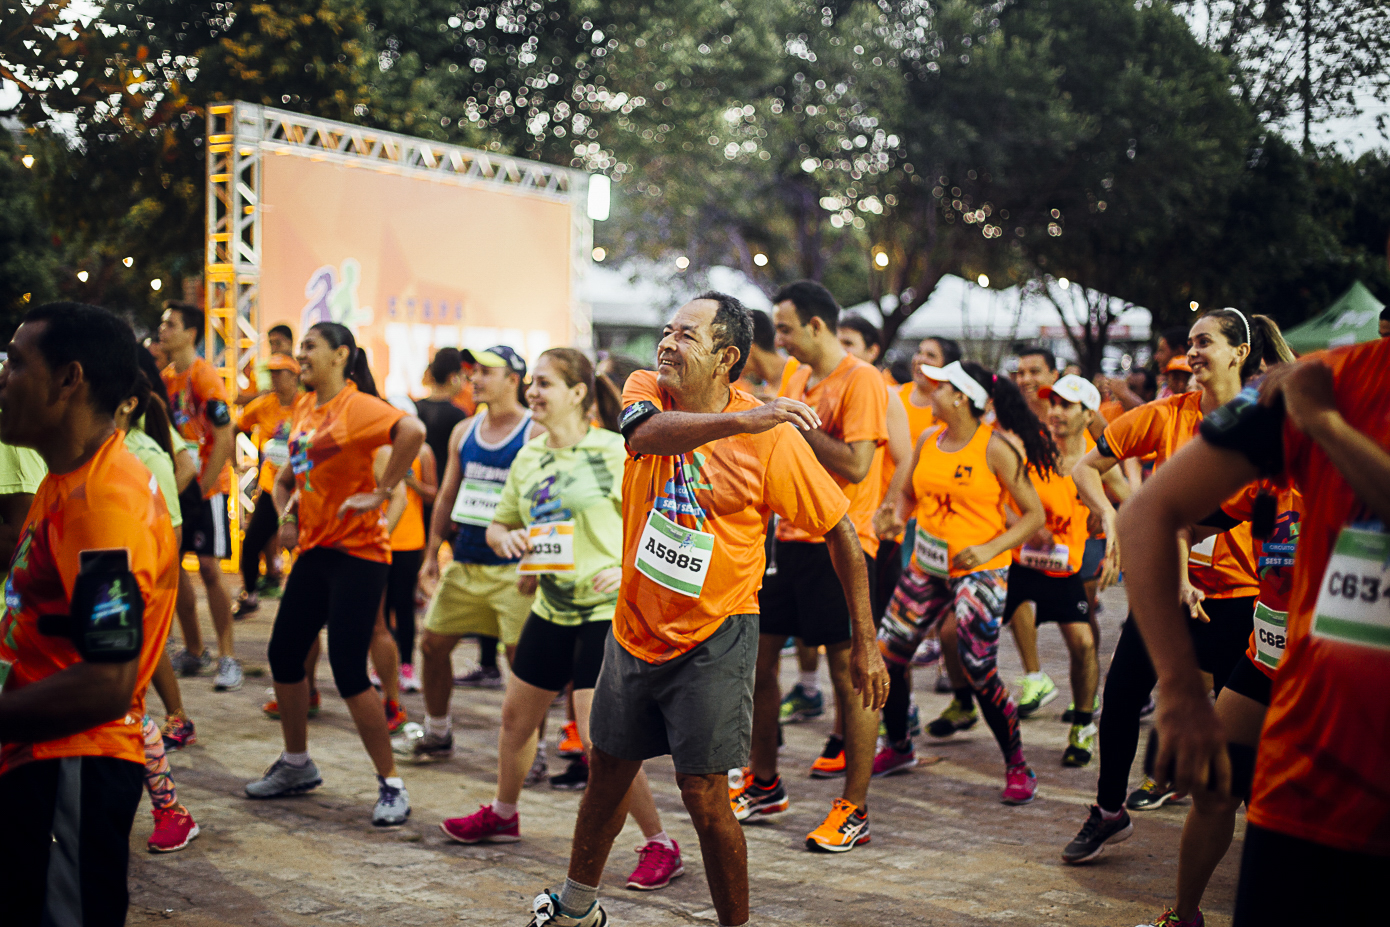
point(267, 421)
point(189, 394)
point(109, 502)
point(331, 451)
point(959, 499)
point(1066, 522)
point(1274, 557)
point(1111, 410)
point(1159, 428)
point(410, 530)
point(729, 488)
point(853, 406)
point(1326, 740)
point(464, 399)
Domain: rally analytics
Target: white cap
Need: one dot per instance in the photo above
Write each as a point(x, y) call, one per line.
point(1074, 389)
point(954, 374)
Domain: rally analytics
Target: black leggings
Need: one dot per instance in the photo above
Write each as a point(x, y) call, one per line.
point(259, 530)
point(1131, 680)
point(400, 599)
point(328, 587)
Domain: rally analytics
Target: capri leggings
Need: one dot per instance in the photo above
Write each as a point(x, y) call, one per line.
point(400, 600)
point(262, 527)
point(158, 782)
point(920, 603)
point(328, 587)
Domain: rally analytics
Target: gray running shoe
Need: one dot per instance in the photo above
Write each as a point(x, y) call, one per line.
point(432, 747)
point(229, 676)
point(282, 779)
point(392, 805)
point(545, 912)
point(187, 663)
point(539, 772)
point(484, 677)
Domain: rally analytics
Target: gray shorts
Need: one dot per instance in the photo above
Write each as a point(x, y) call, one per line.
point(698, 707)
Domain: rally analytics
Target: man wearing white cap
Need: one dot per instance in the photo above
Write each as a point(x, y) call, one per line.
point(1045, 581)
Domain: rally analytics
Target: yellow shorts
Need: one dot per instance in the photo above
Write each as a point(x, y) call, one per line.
point(476, 599)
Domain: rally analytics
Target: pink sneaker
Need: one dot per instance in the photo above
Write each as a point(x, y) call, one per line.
point(173, 828)
point(1020, 785)
point(408, 681)
point(483, 826)
point(889, 760)
point(656, 866)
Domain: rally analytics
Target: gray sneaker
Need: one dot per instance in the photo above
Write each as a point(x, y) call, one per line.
point(539, 773)
point(187, 663)
point(282, 779)
point(392, 805)
point(229, 676)
point(432, 747)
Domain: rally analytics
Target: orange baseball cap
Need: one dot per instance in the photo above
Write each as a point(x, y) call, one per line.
point(282, 362)
point(1179, 363)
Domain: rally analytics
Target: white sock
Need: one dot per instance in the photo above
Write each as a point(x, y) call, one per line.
point(810, 682)
point(503, 810)
point(396, 782)
point(438, 726)
point(1109, 815)
point(1039, 676)
point(662, 839)
point(297, 760)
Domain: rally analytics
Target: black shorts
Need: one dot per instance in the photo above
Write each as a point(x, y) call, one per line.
point(207, 529)
point(1288, 880)
point(804, 599)
point(1091, 558)
point(1221, 642)
point(66, 844)
point(1250, 681)
point(1055, 598)
point(550, 656)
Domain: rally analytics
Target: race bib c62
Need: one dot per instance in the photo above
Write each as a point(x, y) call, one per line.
point(1354, 599)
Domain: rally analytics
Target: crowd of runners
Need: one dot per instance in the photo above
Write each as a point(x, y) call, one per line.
point(643, 545)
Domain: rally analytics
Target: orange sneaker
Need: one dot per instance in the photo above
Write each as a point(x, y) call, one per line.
point(395, 716)
point(570, 744)
point(272, 707)
point(843, 829)
point(831, 762)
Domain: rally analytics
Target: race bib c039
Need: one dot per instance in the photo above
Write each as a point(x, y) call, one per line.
point(673, 556)
point(552, 549)
point(1354, 598)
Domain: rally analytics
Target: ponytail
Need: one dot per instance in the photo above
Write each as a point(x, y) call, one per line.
point(610, 401)
point(152, 402)
point(574, 367)
point(1276, 349)
point(1014, 415)
point(357, 369)
point(1267, 344)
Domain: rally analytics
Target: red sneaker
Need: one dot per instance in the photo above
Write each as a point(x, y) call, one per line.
point(657, 865)
point(1020, 785)
point(483, 826)
point(891, 760)
point(173, 828)
point(272, 707)
point(395, 716)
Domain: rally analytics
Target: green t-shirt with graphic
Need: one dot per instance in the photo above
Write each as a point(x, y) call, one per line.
point(161, 465)
point(582, 483)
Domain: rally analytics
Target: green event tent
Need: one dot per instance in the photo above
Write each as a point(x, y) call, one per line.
point(1352, 319)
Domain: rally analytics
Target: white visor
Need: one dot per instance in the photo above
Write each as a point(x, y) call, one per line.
point(954, 374)
point(1074, 389)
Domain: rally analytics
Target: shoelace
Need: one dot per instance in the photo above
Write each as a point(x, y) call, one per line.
point(650, 856)
point(388, 794)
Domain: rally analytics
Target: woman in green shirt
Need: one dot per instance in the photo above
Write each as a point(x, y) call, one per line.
point(561, 513)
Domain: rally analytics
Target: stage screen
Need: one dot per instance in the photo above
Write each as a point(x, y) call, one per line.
point(411, 264)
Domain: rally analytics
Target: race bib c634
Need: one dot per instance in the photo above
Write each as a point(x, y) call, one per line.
point(1354, 599)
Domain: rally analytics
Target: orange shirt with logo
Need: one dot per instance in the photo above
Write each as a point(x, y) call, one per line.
point(410, 530)
point(1274, 555)
point(1159, 428)
point(853, 406)
point(110, 502)
point(189, 394)
point(267, 421)
point(730, 488)
point(1326, 741)
point(331, 451)
point(959, 499)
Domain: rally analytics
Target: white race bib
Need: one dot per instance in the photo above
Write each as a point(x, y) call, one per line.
point(1270, 634)
point(931, 554)
point(675, 557)
point(552, 548)
point(476, 502)
point(1054, 559)
point(1201, 553)
point(1354, 599)
point(277, 451)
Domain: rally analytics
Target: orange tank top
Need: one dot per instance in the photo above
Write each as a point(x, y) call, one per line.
point(410, 530)
point(959, 504)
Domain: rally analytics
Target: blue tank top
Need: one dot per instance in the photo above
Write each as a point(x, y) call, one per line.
point(482, 472)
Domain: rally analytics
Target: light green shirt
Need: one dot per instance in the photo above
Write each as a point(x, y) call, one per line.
point(582, 483)
point(161, 465)
point(21, 471)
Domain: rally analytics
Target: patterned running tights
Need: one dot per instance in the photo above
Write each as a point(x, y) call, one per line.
point(157, 779)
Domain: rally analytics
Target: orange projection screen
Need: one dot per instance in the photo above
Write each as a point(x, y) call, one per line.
point(411, 264)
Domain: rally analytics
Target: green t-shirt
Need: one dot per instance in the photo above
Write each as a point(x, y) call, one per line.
point(21, 471)
point(583, 484)
point(161, 465)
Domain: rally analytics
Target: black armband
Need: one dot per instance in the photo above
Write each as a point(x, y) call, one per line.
point(218, 413)
point(1245, 426)
point(1220, 521)
point(106, 620)
point(1103, 445)
point(636, 414)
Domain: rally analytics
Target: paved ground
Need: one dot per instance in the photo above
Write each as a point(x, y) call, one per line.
point(944, 851)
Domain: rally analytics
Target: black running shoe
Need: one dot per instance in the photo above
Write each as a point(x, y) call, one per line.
point(1095, 834)
point(573, 779)
point(1149, 796)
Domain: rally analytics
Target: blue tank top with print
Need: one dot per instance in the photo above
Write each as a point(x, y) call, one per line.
point(482, 472)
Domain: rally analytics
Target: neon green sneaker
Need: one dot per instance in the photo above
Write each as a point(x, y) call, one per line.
point(1038, 690)
point(956, 717)
point(798, 706)
point(1081, 745)
point(1069, 716)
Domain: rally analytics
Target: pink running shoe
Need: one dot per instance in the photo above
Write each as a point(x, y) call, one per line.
point(173, 828)
point(483, 826)
point(890, 760)
point(1020, 785)
point(656, 866)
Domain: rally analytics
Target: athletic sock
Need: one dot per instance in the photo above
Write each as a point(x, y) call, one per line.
point(1110, 815)
point(1039, 676)
point(966, 697)
point(662, 839)
point(506, 812)
point(396, 782)
point(1082, 718)
point(810, 683)
point(764, 783)
point(438, 726)
point(576, 898)
point(297, 760)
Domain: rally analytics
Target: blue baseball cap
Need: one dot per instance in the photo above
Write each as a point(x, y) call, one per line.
point(498, 356)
